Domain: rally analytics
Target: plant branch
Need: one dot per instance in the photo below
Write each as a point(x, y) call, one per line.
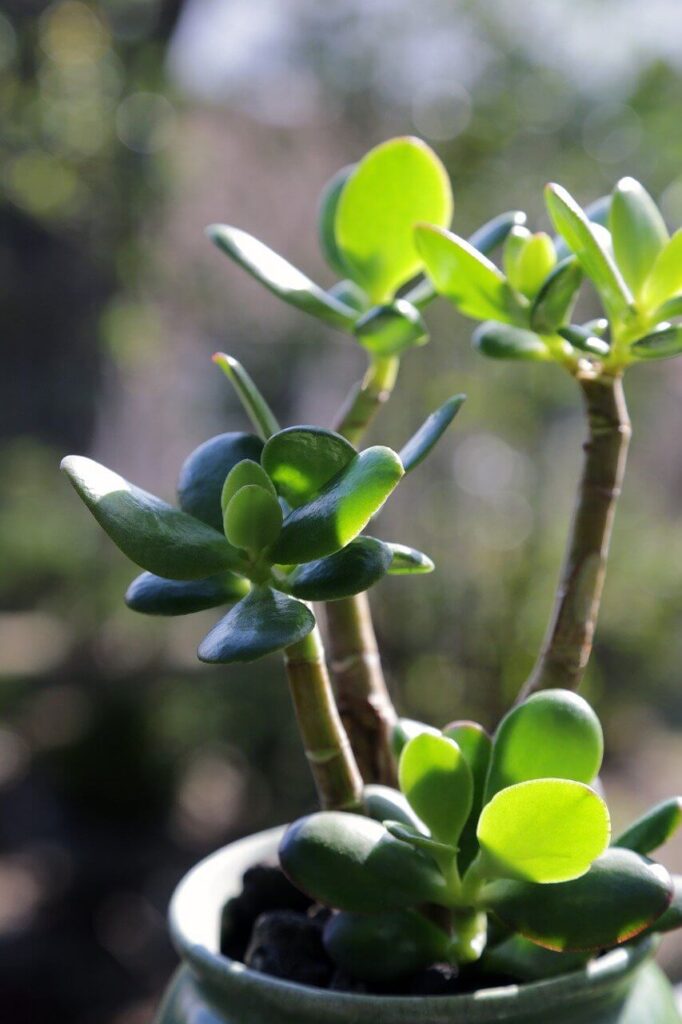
point(568, 642)
point(326, 744)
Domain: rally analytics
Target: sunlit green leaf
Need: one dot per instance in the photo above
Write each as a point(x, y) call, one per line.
point(280, 277)
point(406, 729)
point(502, 341)
point(556, 298)
point(654, 828)
point(513, 247)
point(380, 947)
point(264, 621)
point(352, 863)
point(257, 409)
point(153, 534)
point(546, 830)
point(430, 432)
point(638, 231)
point(203, 473)
point(619, 896)
point(397, 184)
point(326, 219)
point(388, 330)
point(664, 343)
point(553, 734)
point(302, 460)
point(408, 561)
point(436, 779)
point(535, 261)
point(153, 595)
point(245, 473)
point(341, 510)
point(476, 746)
point(253, 518)
point(385, 804)
point(354, 569)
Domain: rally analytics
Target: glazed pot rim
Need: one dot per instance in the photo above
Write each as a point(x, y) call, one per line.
point(194, 917)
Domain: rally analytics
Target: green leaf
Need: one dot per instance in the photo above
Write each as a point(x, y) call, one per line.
point(556, 298)
point(476, 746)
point(153, 534)
point(638, 231)
point(465, 276)
point(583, 339)
point(408, 561)
point(518, 958)
point(280, 277)
point(255, 406)
point(350, 293)
point(203, 474)
point(264, 621)
point(385, 804)
point(436, 779)
point(300, 461)
point(442, 853)
point(654, 828)
point(618, 898)
point(553, 734)
point(354, 569)
point(430, 432)
point(406, 729)
point(502, 341)
point(245, 473)
point(390, 329)
point(253, 519)
point(535, 261)
point(513, 247)
point(573, 225)
point(665, 280)
point(396, 185)
point(380, 947)
point(341, 511)
point(326, 219)
point(671, 919)
point(352, 863)
point(546, 830)
point(670, 310)
point(495, 231)
point(153, 595)
point(664, 343)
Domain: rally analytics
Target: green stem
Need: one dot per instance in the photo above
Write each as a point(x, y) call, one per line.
point(361, 692)
point(568, 643)
point(326, 745)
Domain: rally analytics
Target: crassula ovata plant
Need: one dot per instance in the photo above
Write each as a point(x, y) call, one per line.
point(431, 845)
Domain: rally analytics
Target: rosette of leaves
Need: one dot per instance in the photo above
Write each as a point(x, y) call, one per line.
point(367, 215)
point(621, 243)
point(496, 848)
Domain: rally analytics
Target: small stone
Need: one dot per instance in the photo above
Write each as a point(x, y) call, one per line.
point(288, 945)
point(265, 887)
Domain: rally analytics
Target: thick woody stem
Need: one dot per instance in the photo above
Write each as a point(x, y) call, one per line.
point(326, 745)
point(568, 643)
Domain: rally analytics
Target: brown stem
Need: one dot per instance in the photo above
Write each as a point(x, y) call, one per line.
point(326, 745)
point(568, 643)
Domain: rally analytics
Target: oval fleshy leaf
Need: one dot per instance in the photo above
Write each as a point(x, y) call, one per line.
point(341, 511)
point(476, 746)
point(554, 302)
point(638, 231)
point(253, 518)
point(536, 260)
point(495, 231)
point(397, 184)
point(255, 406)
point(380, 947)
point(553, 734)
point(502, 341)
point(618, 898)
point(262, 622)
point(352, 863)
point(203, 473)
point(465, 276)
point(664, 343)
point(436, 779)
point(547, 830)
point(300, 461)
point(389, 330)
point(406, 729)
point(654, 828)
point(246, 473)
point(430, 432)
point(153, 595)
point(326, 219)
point(153, 534)
point(280, 277)
point(583, 240)
point(385, 804)
point(408, 561)
point(583, 339)
point(671, 919)
point(354, 569)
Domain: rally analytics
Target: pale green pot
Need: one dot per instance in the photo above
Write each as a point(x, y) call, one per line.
point(623, 987)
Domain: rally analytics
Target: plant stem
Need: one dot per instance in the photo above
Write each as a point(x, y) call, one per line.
point(361, 692)
point(568, 643)
point(326, 745)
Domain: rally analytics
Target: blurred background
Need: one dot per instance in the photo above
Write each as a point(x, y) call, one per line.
point(125, 127)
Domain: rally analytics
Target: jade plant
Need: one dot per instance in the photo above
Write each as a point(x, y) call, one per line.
point(494, 853)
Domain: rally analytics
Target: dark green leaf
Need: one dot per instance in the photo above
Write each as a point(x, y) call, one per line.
point(618, 898)
point(554, 302)
point(326, 218)
point(389, 330)
point(476, 745)
point(379, 947)
point(442, 853)
point(203, 474)
point(436, 779)
point(430, 432)
point(502, 341)
point(638, 231)
point(494, 232)
point(280, 277)
point(583, 339)
point(302, 460)
point(655, 827)
point(664, 343)
point(255, 406)
point(264, 621)
point(385, 804)
point(153, 534)
point(352, 863)
point(253, 519)
point(153, 595)
point(516, 957)
point(408, 561)
point(671, 919)
point(341, 511)
point(350, 571)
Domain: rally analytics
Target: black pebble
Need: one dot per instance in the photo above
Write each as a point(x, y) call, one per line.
point(265, 887)
point(286, 944)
